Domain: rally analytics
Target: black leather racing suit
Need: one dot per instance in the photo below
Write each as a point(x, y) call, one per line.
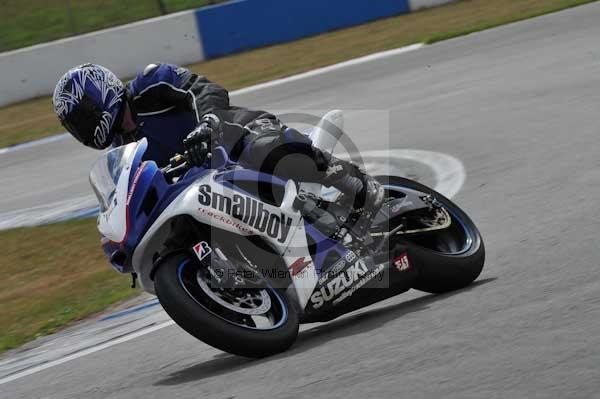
point(168, 101)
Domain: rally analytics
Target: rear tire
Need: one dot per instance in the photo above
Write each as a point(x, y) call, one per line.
point(439, 272)
point(213, 329)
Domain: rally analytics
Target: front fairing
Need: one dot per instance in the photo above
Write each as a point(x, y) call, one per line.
point(110, 177)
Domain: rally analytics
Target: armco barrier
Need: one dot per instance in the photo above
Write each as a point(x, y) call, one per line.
point(246, 24)
point(187, 37)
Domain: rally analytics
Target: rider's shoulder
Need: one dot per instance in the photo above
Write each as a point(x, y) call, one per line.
point(157, 73)
point(150, 69)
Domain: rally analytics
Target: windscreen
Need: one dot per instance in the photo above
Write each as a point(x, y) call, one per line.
point(106, 172)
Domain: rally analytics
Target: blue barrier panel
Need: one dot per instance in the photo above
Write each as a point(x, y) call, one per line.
point(245, 24)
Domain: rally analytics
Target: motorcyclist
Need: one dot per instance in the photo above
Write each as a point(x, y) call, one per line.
point(177, 110)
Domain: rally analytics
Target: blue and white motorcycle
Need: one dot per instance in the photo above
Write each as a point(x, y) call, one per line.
point(239, 258)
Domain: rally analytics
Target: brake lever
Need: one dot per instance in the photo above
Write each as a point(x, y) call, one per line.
point(178, 164)
point(177, 160)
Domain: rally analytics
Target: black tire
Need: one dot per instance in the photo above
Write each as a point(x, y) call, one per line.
point(213, 329)
point(440, 272)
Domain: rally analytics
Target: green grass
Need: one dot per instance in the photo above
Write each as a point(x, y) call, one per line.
point(51, 276)
point(54, 275)
point(24, 23)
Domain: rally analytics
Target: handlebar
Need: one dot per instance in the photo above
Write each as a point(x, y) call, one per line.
point(178, 165)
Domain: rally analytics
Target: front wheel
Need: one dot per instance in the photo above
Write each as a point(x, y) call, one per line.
point(251, 322)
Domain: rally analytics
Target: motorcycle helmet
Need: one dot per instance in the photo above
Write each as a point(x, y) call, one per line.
point(89, 101)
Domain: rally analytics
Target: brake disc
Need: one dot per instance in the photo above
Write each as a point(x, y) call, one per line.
point(244, 301)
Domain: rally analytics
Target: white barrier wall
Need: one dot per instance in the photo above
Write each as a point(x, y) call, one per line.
point(419, 4)
point(33, 71)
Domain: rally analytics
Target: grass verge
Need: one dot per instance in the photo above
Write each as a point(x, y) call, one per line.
point(56, 274)
point(51, 276)
point(34, 119)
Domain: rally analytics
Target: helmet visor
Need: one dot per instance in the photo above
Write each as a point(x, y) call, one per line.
point(82, 121)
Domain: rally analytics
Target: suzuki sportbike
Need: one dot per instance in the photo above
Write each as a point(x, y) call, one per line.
point(239, 258)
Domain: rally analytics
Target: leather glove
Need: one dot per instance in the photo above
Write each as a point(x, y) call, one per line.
point(198, 142)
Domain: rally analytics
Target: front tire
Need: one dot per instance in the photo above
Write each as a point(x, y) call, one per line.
point(209, 322)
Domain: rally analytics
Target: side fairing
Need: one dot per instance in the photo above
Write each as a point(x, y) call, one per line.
point(211, 201)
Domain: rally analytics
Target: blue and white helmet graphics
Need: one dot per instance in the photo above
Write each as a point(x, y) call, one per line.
point(88, 100)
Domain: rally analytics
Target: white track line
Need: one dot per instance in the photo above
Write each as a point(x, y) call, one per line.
point(449, 171)
point(47, 213)
point(260, 86)
point(85, 352)
point(330, 68)
point(28, 144)
point(450, 176)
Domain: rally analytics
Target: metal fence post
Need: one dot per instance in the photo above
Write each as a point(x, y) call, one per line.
point(70, 18)
point(162, 7)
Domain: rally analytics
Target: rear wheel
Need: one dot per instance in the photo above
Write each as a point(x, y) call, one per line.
point(252, 322)
point(449, 258)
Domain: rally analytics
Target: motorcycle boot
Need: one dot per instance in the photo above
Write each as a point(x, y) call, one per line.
point(362, 192)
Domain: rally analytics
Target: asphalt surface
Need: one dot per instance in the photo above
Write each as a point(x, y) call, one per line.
point(519, 105)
